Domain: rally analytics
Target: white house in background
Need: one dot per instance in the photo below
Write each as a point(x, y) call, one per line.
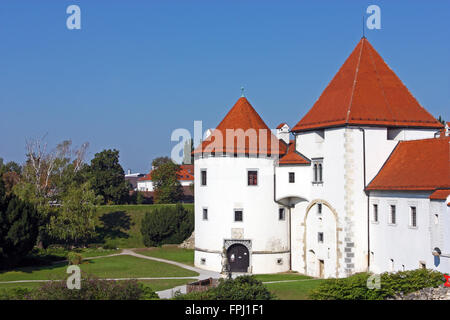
point(185, 177)
point(364, 184)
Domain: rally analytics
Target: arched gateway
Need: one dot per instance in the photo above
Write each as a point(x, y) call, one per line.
point(238, 258)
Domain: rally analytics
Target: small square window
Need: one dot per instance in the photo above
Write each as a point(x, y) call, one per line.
point(320, 237)
point(291, 177)
point(238, 215)
point(203, 182)
point(281, 214)
point(203, 260)
point(252, 178)
point(205, 214)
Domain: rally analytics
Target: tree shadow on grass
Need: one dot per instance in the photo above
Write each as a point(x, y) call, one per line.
point(114, 225)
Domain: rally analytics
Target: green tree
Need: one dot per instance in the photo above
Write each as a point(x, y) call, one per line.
point(75, 222)
point(159, 161)
point(107, 177)
point(19, 227)
point(167, 225)
point(165, 182)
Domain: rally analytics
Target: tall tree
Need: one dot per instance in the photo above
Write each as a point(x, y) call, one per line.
point(19, 227)
point(165, 181)
point(75, 222)
point(107, 177)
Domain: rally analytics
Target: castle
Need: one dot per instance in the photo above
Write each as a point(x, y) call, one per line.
point(363, 186)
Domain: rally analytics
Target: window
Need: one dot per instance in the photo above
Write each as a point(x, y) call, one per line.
point(252, 178)
point(238, 216)
point(392, 219)
point(319, 208)
point(375, 213)
point(281, 214)
point(291, 177)
point(205, 214)
point(203, 260)
point(318, 171)
point(422, 265)
point(320, 237)
point(203, 178)
point(436, 219)
point(413, 221)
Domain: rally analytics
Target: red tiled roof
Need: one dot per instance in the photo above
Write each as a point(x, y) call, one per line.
point(185, 173)
point(293, 157)
point(365, 91)
point(415, 165)
point(440, 194)
point(242, 116)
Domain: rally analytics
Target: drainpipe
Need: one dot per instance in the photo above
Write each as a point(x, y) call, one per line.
point(289, 220)
point(368, 196)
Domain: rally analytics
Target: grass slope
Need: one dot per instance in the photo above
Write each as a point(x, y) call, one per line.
point(120, 225)
point(297, 290)
point(110, 267)
point(170, 252)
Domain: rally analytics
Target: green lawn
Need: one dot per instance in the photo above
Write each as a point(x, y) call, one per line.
point(111, 267)
point(296, 290)
point(281, 276)
point(158, 285)
point(120, 225)
point(170, 252)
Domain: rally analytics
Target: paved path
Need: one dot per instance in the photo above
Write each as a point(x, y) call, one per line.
point(167, 294)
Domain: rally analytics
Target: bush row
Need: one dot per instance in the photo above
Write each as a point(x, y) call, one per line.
point(355, 287)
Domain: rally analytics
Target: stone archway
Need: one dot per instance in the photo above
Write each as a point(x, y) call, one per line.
point(337, 229)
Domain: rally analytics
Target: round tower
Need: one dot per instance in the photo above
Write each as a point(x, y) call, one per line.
point(235, 211)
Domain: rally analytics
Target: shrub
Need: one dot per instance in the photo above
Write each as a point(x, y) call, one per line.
point(74, 258)
point(167, 225)
point(93, 289)
point(14, 293)
point(241, 288)
point(355, 287)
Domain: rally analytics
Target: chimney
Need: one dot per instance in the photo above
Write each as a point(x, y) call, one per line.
point(283, 132)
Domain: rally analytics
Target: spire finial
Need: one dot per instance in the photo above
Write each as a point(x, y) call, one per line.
point(363, 28)
point(242, 92)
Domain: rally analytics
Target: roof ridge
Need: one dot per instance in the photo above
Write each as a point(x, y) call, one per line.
point(381, 85)
point(354, 82)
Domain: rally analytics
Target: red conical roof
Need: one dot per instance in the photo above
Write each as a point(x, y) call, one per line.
point(243, 116)
point(365, 91)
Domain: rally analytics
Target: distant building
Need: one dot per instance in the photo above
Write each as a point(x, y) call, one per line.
point(132, 178)
point(185, 177)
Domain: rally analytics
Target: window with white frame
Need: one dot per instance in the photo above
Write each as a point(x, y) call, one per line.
point(320, 237)
point(252, 177)
point(205, 213)
point(413, 217)
point(291, 177)
point(375, 212)
point(281, 214)
point(203, 177)
point(317, 165)
point(392, 214)
point(238, 215)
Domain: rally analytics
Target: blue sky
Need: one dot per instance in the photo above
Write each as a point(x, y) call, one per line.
point(137, 70)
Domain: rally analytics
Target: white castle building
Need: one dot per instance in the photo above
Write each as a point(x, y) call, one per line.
point(364, 184)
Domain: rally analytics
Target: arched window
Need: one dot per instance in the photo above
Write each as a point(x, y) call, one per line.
point(320, 172)
point(315, 172)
